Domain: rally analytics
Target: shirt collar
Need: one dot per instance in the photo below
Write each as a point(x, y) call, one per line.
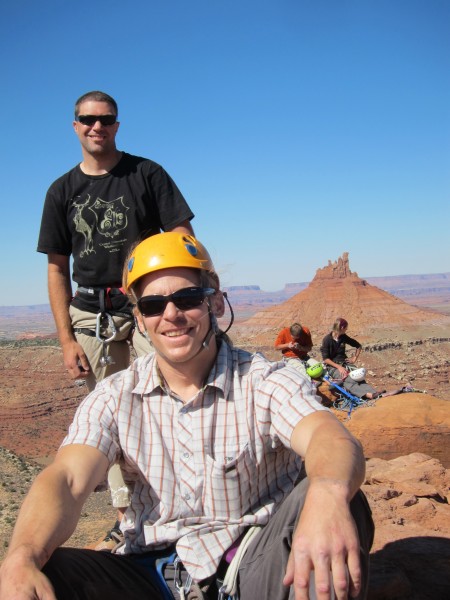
point(149, 377)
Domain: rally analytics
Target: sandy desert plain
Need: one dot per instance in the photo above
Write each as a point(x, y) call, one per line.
point(37, 400)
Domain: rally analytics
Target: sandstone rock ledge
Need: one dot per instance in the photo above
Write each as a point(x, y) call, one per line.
point(403, 424)
point(409, 498)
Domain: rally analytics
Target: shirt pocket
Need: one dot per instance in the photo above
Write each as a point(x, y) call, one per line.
point(228, 485)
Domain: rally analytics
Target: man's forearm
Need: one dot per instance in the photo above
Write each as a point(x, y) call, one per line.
point(39, 532)
point(60, 295)
point(50, 512)
point(331, 453)
point(336, 457)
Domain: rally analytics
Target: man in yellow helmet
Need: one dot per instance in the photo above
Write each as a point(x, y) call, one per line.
point(213, 440)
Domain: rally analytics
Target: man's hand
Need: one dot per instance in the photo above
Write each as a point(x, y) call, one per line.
point(20, 579)
point(325, 545)
point(342, 371)
point(75, 360)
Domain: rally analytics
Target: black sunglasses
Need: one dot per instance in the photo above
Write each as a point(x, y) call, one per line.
point(184, 299)
point(90, 120)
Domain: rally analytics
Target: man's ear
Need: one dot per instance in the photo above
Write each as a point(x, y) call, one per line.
point(139, 319)
point(218, 304)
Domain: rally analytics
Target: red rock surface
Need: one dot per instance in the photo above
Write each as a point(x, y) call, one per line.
point(403, 424)
point(410, 558)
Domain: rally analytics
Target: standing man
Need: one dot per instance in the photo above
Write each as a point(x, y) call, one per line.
point(94, 213)
point(295, 342)
point(213, 438)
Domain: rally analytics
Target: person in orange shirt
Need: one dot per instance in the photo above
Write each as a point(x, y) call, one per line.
point(295, 342)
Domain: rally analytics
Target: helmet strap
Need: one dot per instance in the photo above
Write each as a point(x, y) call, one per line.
point(225, 295)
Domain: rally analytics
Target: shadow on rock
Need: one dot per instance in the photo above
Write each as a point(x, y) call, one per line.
point(416, 568)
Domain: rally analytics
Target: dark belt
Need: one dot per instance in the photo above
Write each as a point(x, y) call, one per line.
point(95, 291)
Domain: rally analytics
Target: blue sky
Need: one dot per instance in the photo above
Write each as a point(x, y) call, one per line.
point(296, 129)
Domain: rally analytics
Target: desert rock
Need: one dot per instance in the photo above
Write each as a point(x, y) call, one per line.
point(336, 291)
point(398, 425)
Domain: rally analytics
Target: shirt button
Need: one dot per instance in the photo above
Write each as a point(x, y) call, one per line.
point(186, 455)
point(187, 497)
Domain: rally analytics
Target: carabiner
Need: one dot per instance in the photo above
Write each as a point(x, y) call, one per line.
point(111, 325)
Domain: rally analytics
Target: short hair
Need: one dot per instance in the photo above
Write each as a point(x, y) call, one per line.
point(339, 324)
point(96, 96)
point(295, 329)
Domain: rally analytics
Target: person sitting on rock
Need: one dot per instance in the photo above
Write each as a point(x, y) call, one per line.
point(213, 439)
point(335, 357)
point(295, 342)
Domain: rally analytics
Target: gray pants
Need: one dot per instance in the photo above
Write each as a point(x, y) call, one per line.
point(263, 567)
point(357, 388)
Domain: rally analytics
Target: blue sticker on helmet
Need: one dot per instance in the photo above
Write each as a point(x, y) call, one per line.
point(191, 249)
point(130, 264)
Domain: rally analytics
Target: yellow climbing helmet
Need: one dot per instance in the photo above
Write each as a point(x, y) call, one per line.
point(315, 371)
point(165, 251)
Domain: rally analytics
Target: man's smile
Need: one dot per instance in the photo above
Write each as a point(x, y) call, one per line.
point(177, 333)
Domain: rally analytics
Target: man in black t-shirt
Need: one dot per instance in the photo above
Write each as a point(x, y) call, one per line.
point(94, 214)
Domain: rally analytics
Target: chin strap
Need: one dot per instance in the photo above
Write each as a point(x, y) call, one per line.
point(225, 295)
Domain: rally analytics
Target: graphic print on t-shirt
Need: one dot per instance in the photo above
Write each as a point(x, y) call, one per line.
point(106, 218)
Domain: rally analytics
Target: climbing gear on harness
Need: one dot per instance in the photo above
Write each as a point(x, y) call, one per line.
point(103, 301)
point(164, 251)
point(173, 578)
point(105, 358)
point(91, 299)
point(358, 374)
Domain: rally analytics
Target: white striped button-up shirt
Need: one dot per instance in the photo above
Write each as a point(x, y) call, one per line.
point(201, 471)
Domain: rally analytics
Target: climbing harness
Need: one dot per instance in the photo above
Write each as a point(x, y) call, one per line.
point(175, 582)
point(106, 302)
point(228, 589)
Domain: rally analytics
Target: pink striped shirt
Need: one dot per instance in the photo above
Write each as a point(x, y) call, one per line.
point(204, 470)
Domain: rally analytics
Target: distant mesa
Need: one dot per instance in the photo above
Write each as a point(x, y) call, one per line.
point(242, 288)
point(336, 291)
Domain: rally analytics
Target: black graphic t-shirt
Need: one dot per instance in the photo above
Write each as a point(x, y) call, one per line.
point(97, 218)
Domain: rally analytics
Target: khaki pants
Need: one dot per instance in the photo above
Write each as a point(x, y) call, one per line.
point(298, 364)
point(120, 351)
